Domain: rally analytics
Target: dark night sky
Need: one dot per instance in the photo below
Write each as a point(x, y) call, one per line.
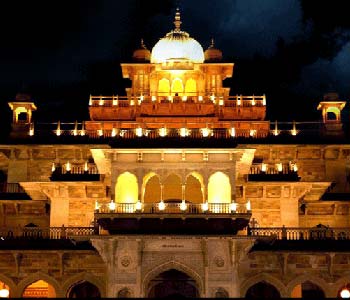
point(294, 51)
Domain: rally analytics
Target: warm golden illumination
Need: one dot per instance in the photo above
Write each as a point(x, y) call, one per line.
point(139, 131)
point(86, 167)
point(53, 167)
point(253, 102)
point(154, 98)
point(68, 166)
point(100, 132)
point(101, 102)
point(161, 205)
point(115, 101)
point(212, 98)
point(232, 132)
point(177, 86)
point(31, 129)
point(248, 206)
point(221, 102)
point(164, 86)
point(264, 100)
point(97, 205)
point(205, 206)
point(138, 205)
point(90, 101)
point(162, 132)
point(219, 188)
point(233, 207)
point(276, 131)
point(190, 86)
point(345, 293)
point(4, 293)
point(200, 98)
point(75, 131)
point(58, 130)
point(263, 167)
point(126, 190)
point(279, 167)
point(111, 205)
point(184, 132)
point(184, 98)
point(294, 130)
point(206, 132)
point(183, 205)
point(252, 132)
point(114, 132)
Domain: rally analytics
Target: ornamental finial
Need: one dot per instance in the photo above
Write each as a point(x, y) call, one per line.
point(177, 21)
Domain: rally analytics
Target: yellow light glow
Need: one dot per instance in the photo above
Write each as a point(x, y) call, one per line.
point(170, 98)
point(232, 132)
point(75, 132)
point(345, 293)
point(126, 189)
point(142, 98)
point(100, 132)
point(205, 206)
point(253, 102)
point(279, 167)
point(212, 98)
point(114, 132)
point(184, 132)
point(233, 207)
point(183, 205)
point(264, 100)
point(58, 130)
point(82, 132)
point(275, 132)
point(252, 132)
point(164, 86)
point(154, 98)
point(86, 167)
point(97, 205)
point(219, 188)
point(138, 205)
point(184, 98)
point(111, 205)
point(139, 131)
point(239, 101)
point(53, 167)
point(4, 293)
point(161, 205)
point(115, 101)
point(132, 102)
point(101, 102)
point(162, 132)
point(68, 166)
point(31, 129)
point(191, 86)
point(295, 168)
point(263, 167)
point(221, 102)
point(200, 98)
point(122, 132)
point(248, 206)
point(90, 101)
point(206, 132)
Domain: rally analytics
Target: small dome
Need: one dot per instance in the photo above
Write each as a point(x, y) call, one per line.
point(212, 54)
point(177, 44)
point(142, 54)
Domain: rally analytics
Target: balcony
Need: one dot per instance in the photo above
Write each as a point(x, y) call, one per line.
point(78, 172)
point(278, 172)
point(12, 191)
point(172, 218)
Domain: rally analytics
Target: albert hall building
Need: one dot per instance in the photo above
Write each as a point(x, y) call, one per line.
point(178, 188)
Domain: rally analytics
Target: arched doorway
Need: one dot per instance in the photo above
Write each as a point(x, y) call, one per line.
point(126, 190)
point(39, 289)
point(173, 284)
point(163, 87)
point(193, 191)
point(219, 188)
point(151, 188)
point(308, 290)
point(262, 290)
point(191, 87)
point(177, 87)
point(83, 289)
point(172, 188)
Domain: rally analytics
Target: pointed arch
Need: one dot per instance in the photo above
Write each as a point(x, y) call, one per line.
point(190, 87)
point(219, 188)
point(11, 285)
point(71, 281)
point(151, 188)
point(172, 187)
point(323, 285)
point(177, 86)
point(126, 189)
point(194, 187)
point(39, 276)
point(168, 266)
point(164, 87)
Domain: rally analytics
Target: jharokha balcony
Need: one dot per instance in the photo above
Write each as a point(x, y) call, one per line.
point(277, 172)
point(76, 172)
point(172, 217)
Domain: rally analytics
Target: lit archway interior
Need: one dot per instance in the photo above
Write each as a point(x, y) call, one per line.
point(177, 86)
point(4, 290)
point(126, 190)
point(190, 87)
point(193, 191)
point(307, 290)
point(262, 290)
point(333, 113)
point(172, 188)
point(39, 289)
point(173, 284)
point(164, 87)
point(151, 189)
point(219, 188)
point(83, 289)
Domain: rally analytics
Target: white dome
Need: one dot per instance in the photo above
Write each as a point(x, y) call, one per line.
point(177, 44)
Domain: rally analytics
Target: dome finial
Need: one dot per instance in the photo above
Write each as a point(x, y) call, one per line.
point(177, 21)
point(212, 43)
point(143, 46)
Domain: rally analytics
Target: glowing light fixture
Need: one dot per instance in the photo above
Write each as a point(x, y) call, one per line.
point(4, 292)
point(139, 131)
point(264, 100)
point(115, 100)
point(31, 129)
point(184, 132)
point(142, 98)
point(276, 131)
point(53, 167)
point(183, 205)
point(101, 102)
point(100, 132)
point(122, 133)
point(294, 131)
point(248, 206)
point(82, 131)
point(252, 132)
point(162, 132)
point(184, 98)
point(233, 207)
point(205, 206)
point(161, 205)
point(239, 101)
point(200, 98)
point(154, 98)
point(263, 167)
point(206, 132)
point(212, 98)
point(345, 293)
point(132, 102)
point(75, 131)
point(97, 205)
point(170, 98)
point(58, 130)
point(90, 101)
point(279, 167)
point(86, 167)
point(253, 102)
point(68, 167)
point(232, 132)
point(221, 102)
point(138, 205)
point(111, 205)
point(114, 132)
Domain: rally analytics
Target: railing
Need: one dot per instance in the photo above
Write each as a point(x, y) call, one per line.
point(45, 232)
point(173, 208)
point(6, 187)
point(303, 233)
point(217, 99)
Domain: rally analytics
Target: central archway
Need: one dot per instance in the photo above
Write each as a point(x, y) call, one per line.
point(173, 284)
point(83, 289)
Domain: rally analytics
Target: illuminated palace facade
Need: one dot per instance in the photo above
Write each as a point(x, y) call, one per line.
point(176, 189)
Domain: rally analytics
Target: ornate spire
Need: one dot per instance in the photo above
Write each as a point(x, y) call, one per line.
point(143, 46)
point(212, 43)
point(177, 21)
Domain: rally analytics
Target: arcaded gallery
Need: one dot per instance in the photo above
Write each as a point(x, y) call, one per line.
point(178, 188)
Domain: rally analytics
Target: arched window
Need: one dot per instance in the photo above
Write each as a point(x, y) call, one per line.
point(126, 190)
point(172, 189)
point(308, 290)
point(151, 188)
point(219, 188)
point(83, 289)
point(164, 87)
point(177, 86)
point(193, 191)
point(39, 289)
point(262, 290)
point(191, 87)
